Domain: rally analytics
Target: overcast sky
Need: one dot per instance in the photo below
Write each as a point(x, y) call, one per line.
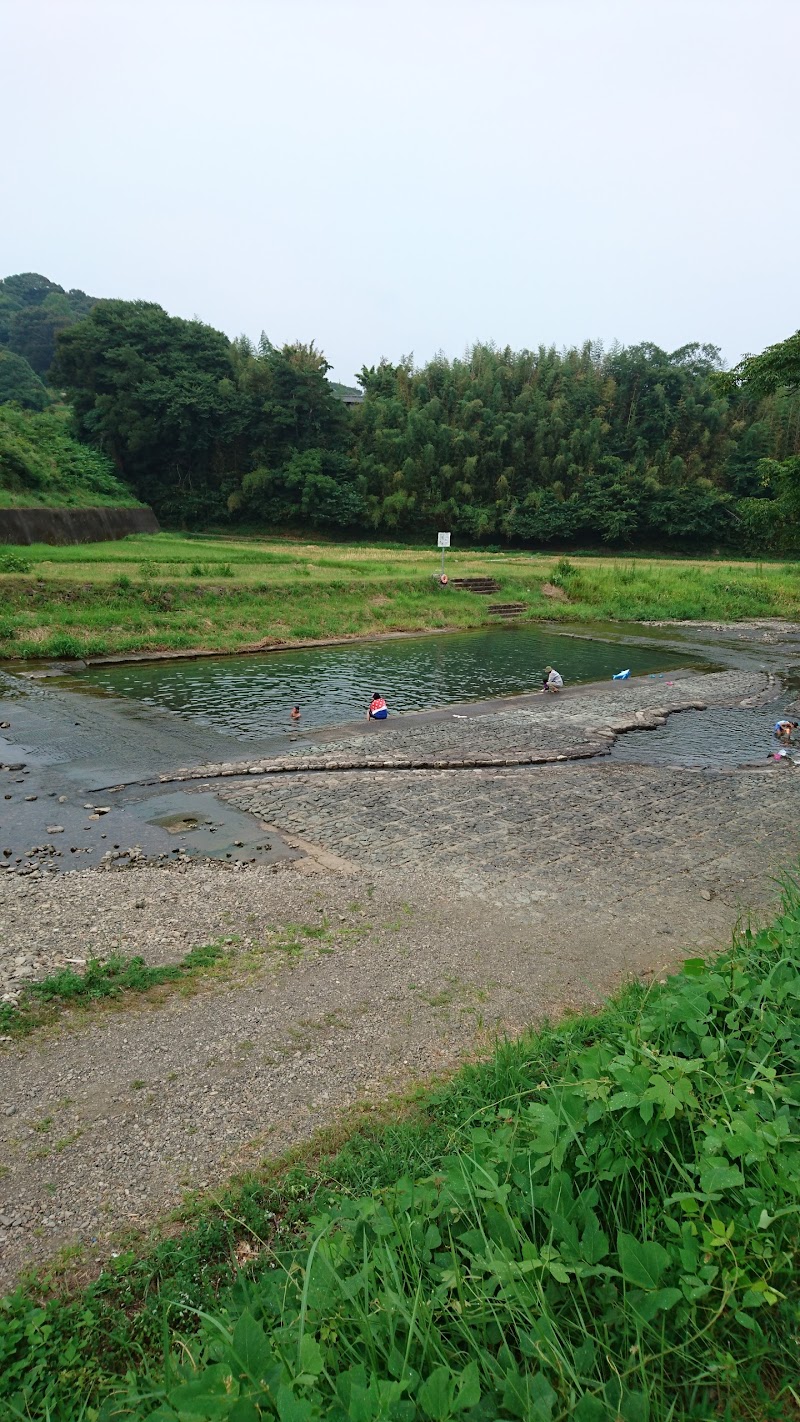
point(394, 177)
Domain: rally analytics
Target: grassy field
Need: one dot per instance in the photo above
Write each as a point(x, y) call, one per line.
point(171, 592)
point(600, 1222)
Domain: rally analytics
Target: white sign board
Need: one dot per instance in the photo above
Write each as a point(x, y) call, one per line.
point(443, 540)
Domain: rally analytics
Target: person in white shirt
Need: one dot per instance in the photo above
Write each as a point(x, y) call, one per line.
point(553, 681)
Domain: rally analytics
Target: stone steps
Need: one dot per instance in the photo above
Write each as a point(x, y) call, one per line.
point(484, 586)
point(507, 609)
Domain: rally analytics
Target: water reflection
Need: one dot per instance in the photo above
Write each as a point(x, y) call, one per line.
point(253, 695)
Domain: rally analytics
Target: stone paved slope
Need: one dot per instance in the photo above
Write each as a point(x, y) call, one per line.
point(476, 901)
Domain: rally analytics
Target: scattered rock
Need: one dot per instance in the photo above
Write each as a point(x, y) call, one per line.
point(55, 829)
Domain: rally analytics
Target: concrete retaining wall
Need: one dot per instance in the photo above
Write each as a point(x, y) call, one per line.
point(74, 525)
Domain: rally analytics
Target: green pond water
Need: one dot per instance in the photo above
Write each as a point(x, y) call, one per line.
point(253, 695)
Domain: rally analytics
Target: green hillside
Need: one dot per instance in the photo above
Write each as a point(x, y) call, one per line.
point(41, 465)
point(33, 310)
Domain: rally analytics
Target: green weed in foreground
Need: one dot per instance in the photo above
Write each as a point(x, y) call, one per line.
point(599, 1223)
point(102, 978)
point(14, 563)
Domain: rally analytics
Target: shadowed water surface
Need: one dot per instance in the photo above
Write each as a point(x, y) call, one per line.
point(253, 695)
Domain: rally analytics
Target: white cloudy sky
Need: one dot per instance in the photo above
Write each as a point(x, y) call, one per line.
point(413, 175)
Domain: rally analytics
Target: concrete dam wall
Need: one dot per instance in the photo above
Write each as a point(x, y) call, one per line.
point(74, 525)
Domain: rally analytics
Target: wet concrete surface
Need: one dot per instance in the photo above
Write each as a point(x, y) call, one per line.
point(65, 761)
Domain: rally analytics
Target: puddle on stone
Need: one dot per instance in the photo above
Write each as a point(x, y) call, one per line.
point(212, 829)
point(180, 824)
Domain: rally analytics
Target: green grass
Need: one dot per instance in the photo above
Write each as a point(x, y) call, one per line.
point(43, 466)
point(118, 976)
point(102, 978)
point(168, 592)
point(599, 1223)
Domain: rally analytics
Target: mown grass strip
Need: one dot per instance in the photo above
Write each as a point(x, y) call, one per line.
point(600, 1222)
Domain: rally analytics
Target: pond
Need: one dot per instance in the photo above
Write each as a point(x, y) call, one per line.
point(253, 694)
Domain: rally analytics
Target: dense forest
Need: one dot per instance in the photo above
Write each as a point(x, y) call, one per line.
point(33, 310)
point(631, 446)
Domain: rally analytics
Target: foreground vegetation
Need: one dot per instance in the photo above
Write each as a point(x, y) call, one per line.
point(600, 1222)
point(170, 593)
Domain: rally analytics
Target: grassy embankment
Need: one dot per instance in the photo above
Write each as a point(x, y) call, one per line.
point(42, 466)
point(601, 1222)
point(170, 592)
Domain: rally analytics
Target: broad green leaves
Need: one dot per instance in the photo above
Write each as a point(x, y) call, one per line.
point(641, 1264)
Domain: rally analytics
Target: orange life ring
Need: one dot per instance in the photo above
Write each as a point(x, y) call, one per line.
point(443, 580)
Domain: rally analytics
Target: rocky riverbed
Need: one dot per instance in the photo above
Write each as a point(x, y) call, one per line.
point(388, 903)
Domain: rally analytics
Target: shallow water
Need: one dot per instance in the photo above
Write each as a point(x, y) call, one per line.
point(721, 736)
point(253, 694)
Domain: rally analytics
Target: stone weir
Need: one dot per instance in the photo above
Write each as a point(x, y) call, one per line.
point(525, 733)
point(58, 525)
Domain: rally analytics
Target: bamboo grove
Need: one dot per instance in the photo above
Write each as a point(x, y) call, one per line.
point(624, 447)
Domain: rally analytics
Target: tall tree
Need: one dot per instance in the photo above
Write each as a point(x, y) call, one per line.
point(777, 367)
point(158, 395)
point(33, 310)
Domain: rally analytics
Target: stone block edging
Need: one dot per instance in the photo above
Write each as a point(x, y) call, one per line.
point(600, 742)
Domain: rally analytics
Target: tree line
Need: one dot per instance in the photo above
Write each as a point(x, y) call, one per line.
point(33, 310)
point(631, 446)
